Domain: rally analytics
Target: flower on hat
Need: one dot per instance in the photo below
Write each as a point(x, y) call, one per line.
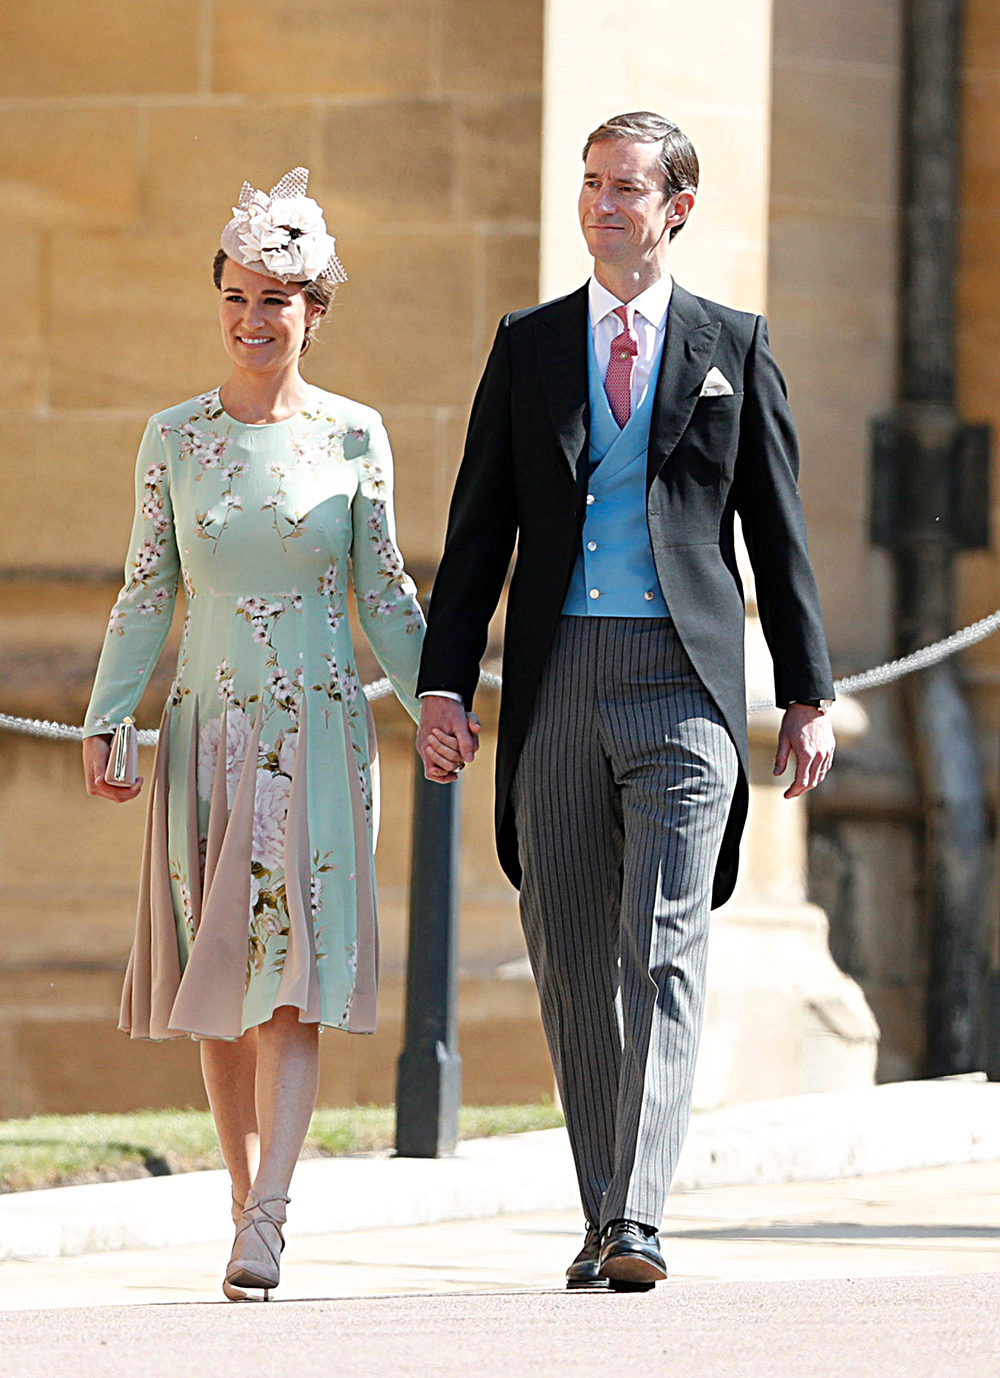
point(300, 213)
point(282, 234)
point(288, 237)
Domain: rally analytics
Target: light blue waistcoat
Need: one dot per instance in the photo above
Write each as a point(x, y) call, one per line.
point(614, 574)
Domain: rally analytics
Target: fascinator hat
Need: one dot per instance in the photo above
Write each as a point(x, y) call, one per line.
point(283, 234)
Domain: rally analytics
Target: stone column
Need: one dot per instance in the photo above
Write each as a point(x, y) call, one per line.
point(708, 67)
point(781, 1017)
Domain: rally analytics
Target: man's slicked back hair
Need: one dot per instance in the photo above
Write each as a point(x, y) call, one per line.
point(678, 160)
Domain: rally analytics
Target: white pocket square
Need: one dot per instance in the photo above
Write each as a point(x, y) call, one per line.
point(716, 384)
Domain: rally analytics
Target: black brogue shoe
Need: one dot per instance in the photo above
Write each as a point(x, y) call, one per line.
point(630, 1256)
point(585, 1270)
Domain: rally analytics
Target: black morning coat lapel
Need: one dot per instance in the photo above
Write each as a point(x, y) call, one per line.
point(687, 356)
point(561, 338)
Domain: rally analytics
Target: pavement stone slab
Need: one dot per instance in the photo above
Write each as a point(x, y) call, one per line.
point(938, 1221)
point(830, 1134)
point(922, 1327)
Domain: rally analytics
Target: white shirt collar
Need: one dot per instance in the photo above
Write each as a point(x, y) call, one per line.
point(652, 304)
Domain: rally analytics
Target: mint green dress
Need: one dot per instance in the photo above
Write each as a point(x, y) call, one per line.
point(257, 885)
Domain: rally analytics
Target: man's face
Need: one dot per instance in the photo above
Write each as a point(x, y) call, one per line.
point(625, 213)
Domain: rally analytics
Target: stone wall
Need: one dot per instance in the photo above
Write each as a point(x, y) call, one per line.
point(978, 370)
point(833, 283)
point(129, 125)
point(832, 309)
point(979, 340)
point(128, 128)
point(661, 63)
point(421, 122)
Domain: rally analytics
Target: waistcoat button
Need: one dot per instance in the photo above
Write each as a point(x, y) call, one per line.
point(595, 593)
point(648, 595)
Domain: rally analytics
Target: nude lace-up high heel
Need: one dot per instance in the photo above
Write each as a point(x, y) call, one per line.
point(262, 1274)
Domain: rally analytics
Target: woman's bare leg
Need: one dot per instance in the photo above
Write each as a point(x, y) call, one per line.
point(287, 1085)
point(229, 1070)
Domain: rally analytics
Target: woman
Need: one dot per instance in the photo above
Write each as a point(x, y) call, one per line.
point(257, 919)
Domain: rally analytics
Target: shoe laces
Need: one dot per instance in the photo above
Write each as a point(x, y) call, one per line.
point(633, 1228)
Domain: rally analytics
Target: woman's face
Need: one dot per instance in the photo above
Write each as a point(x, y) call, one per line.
point(263, 320)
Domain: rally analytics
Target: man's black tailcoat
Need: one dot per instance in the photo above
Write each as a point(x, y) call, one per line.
point(523, 481)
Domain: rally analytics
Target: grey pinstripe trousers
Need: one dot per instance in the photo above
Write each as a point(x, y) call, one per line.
point(621, 797)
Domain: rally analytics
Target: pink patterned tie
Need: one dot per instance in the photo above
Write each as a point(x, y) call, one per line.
point(618, 379)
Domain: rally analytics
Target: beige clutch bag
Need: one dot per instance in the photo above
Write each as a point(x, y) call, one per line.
point(123, 763)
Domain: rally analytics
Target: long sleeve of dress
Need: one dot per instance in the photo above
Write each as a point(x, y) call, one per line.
point(141, 616)
point(386, 595)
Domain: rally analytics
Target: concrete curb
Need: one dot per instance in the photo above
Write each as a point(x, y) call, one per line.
point(830, 1134)
point(797, 1138)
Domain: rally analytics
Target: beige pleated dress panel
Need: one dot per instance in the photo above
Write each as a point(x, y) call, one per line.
point(257, 885)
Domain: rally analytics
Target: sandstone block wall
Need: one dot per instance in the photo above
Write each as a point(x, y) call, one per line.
point(128, 126)
point(832, 291)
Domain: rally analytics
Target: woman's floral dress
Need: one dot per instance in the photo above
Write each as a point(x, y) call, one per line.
point(257, 882)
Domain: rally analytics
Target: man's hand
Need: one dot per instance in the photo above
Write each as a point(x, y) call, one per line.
point(96, 751)
point(808, 734)
point(447, 738)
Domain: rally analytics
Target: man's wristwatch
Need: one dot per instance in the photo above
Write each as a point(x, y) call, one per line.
point(824, 705)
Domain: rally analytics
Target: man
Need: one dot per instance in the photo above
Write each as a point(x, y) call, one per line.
point(614, 436)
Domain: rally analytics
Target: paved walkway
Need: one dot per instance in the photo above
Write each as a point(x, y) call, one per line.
point(920, 1327)
point(934, 1221)
point(850, 1277)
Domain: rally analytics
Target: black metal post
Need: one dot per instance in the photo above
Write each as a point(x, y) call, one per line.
point(991, 1029)
point(429, 1081)
point(930, 500)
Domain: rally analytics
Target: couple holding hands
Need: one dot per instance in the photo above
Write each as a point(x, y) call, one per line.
point(614, 436)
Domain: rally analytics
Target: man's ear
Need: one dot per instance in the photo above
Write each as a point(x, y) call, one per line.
point(682, 207)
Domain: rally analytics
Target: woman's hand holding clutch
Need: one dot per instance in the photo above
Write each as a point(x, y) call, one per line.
point(96, 753)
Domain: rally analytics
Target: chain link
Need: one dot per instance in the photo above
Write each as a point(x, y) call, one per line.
point(380, 688)
point(908, 664)
point(149, 736)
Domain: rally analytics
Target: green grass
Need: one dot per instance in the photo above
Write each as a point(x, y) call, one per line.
point(62, 1150)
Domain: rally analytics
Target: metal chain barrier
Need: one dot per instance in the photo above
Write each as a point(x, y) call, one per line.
point(908, 664)
point(380, 688)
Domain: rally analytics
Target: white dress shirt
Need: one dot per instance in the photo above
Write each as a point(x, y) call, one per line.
point(650, 324)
